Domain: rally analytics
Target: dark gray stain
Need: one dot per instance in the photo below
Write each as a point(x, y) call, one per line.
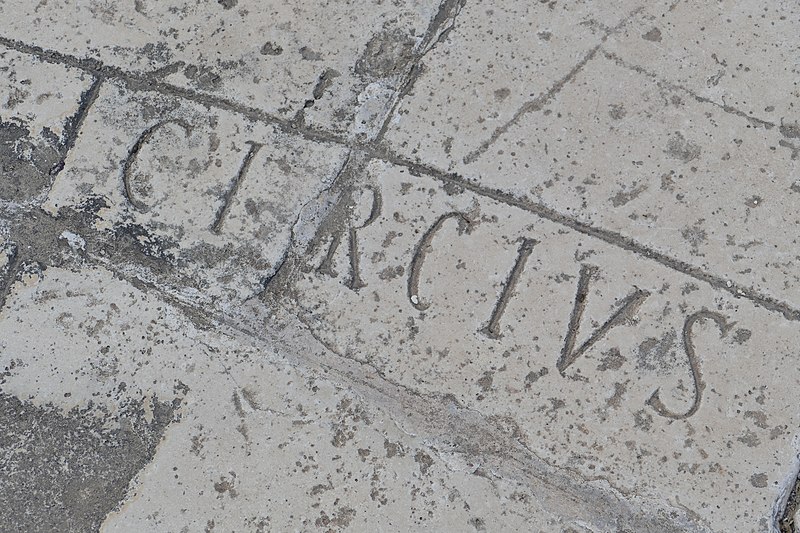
point(424, 460)
point(696, 236)
point(790, 130)
point(310, 55)
point(611, 360)
point(325, 80)
point(139, 81)
point(532, 377)
point(642, 420)
point(203, 77)
point(24, 164)
point(617, 111)
point(623, 197)
point(657, 354)
point(133, 236)
point(387, 54)
point(271, 49)
point(159, 52)
point(653, 35)
point(37, 238)
point(485, 382)
point(67, 472)
point(678, 147)
point(742, 335)
point(339, 520)
point(786, 520)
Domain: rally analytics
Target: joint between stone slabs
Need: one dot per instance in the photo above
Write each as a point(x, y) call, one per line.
point(610, 237)
point(151, 83)
point(141, 82)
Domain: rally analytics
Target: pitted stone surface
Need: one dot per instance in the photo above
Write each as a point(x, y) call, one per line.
point(399, 266)
point(588, 409)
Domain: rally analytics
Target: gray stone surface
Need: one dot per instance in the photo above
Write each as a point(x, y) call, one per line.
point(399, 266)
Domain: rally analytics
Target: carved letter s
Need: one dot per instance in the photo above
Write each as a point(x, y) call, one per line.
point(688, 327)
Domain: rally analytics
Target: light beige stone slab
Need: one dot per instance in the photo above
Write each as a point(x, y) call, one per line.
point(676, 398)
point(38, 106)
point(256, 443)
point(409, 265)
point(736, 54)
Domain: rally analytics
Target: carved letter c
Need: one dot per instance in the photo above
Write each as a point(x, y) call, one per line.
point(419, 257)
point(134, 152)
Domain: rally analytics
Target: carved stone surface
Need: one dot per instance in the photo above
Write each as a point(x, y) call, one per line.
point(399, 266)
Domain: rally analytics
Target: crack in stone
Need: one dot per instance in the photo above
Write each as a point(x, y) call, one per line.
point(448, 10)
point(140, 82)
point(613, 238)
point(785, 517)
point(538, 103)
point(442, 416)
point(666, 84)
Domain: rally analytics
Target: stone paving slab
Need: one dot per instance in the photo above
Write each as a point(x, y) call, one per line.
point(735, 54)
point(611, 144)
point(567, 338)
point(420, 266)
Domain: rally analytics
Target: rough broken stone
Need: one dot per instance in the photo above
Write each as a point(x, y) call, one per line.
point(405, 266)
point(38, 103)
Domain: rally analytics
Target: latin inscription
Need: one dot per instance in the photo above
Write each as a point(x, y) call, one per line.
point(421, 262)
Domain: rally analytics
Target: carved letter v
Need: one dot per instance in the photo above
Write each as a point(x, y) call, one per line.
point(628, 306)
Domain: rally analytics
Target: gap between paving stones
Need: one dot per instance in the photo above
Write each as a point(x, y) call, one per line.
point(152, 83)
point(678, 87)
point(148, 83)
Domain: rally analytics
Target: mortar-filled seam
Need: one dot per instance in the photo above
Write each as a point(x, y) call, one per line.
point(140, 82)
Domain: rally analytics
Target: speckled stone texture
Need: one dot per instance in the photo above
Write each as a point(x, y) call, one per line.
point(399, 266)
